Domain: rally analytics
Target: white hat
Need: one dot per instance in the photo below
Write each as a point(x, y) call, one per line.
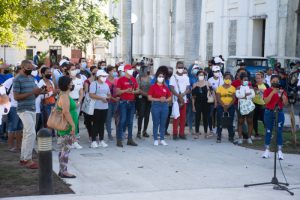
point(121, 68)
point(218, 60)
point(62, 61)
point(215, 68)
point(101, 72)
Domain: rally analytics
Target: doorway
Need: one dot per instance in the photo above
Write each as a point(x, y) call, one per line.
point(258, 41)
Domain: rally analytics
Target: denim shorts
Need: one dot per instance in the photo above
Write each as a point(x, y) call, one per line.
point(14, 123)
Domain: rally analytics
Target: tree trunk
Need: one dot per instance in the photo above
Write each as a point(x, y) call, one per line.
point(126, 30)
point(192, 31)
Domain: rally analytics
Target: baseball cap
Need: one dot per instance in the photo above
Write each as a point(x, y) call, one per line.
point(101, 72)
point(127, 67)
point(215, 68)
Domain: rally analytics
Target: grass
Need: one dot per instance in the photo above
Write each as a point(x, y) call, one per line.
point(288, 146)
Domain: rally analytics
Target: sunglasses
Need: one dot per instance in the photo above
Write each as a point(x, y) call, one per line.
point(216, 71)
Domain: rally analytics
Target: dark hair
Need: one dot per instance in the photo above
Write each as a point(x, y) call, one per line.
point(44, 69)
point(38, 52)
point(64, 82)
point(110, 68)
point(80, 59)
point(242, 64)
point(228, 74)
point(275, 76)
point(25, 62)
point(92, 68)
point(179, 63)
point(243, 75)
point(201, 71)
point(162, 70)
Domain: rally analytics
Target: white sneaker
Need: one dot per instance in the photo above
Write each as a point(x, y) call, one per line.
point(249, 141)
point(280, 155)
point(155, 142)
point(266, 154)
point(240, 141)
point(102, 144)
point(75, 145)
point(59, 139)
point(162, 142)
point(94, 145)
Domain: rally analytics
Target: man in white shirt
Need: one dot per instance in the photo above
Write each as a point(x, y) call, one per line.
point(217, 79)
point(268, 76)
point(179, 85)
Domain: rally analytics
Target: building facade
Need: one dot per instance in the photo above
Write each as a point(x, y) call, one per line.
point(228, 27)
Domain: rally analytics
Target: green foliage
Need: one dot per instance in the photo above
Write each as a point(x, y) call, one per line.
point(72, 22)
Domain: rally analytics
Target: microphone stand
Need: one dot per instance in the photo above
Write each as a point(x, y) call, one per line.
point(277, 185)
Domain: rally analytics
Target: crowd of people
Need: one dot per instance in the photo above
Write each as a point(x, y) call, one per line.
point(189, 96)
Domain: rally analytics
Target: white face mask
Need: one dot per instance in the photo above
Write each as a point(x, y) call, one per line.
point(160, 79)
point(103, 79)
point(130, 72)
point(216, 74)
point(138, 67)
point(73, 72)
point(34, 73)
point(180, 71)
point(103, 67)
point(201, 78)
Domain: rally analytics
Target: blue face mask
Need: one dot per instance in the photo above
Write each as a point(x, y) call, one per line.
point(245, 83)
point(115, 74)
point(122, 74)
point(194, 71)
point(84, 65)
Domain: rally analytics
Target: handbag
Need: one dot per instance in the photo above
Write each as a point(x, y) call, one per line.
point(57, 120)
point(246, 106)
point(226, 120)
point(88, 104)
point(210, 96)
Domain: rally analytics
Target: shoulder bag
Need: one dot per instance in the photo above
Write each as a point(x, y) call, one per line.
point(57, 120)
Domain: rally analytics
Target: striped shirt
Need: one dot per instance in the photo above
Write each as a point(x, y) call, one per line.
point(24, 84)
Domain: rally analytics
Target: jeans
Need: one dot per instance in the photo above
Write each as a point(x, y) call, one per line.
point(269, 119)
point(98, 127)
point(181, 121)
point(220, 112)
point(160, 113)
point(127, 110)
point(112, 112)
point(190, 115)
point(143, 113)
point(28, 119)
point(14, 123)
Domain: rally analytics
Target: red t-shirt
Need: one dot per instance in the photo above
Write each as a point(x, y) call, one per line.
point(125, 83)
point(157, 91)
point(274, 100)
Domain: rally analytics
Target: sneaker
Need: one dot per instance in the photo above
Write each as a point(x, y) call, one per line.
point(102, 144)
point(280, 155)
point(145, 134)
point(218, 140)
point(94, 145)
point(214, 130)
point(75, 145)
point(249, 140)
point(155, 142)
point(139, 136)
point(162, 142)
point(266, 154)
point(240, 141)
point(192, 132)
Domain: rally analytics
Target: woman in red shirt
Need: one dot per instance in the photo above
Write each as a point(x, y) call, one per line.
point(275, 98)
point(160, 95)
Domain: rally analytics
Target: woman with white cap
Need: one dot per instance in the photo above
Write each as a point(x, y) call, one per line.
point(99, 90)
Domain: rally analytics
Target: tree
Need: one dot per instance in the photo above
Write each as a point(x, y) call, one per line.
point(72, 22)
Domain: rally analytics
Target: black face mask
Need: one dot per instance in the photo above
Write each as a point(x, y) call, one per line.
point(275, 85)
point(27, 71)
point(94, 74)
point(72, 88)
point(48, 76)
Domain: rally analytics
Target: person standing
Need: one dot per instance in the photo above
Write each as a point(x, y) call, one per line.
point(225, 97)
point(100, 92)
point(25, 92)
point(179, 85)
point(36, 58)
point(159, 94)
point(127, 88)
point(275, 98)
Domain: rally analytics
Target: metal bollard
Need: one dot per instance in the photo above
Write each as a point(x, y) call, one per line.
point(45, 162)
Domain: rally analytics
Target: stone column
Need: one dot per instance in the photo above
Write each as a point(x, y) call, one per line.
point(126, 30)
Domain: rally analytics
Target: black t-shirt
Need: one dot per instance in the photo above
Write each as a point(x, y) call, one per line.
point(200, 94)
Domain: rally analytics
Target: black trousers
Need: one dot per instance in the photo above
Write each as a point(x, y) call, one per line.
point(202, 109)
point(144, 108)
point(259, 112)
point(88, 122)
point(99, 119)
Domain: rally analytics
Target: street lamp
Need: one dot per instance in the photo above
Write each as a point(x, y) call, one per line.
point(133, 21)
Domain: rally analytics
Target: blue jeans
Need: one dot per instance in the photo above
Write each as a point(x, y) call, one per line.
point(160, 113)
point(190, 115)
point(112, 112)
point(220, 112)
point(127, 110)
point(269, 119)
point(14, 123)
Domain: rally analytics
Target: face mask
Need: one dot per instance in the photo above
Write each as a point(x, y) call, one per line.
point(72, 88)
point(33, 73)
point(103, 79)
point(48, 76)
point(115, 74)
point(201, 78)
point(122, 74)
point(194, 71)
point(94, 74)
point(84, 65)
point(160, 79)
point(227, 81)
point(275, 85)
point(73, 72)
point(180, 71)
point(138, 67)
point(216, 74)
point(245, 83)
point(130, 72)
point(103, 67)
point(77, 71)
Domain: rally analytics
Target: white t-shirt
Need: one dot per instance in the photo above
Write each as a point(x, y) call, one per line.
point(42, 83)
point(7, 85)
point(101, 90)
point(216, 83)
point(298, 83)
point(38, 101)
point(57, 74)
point(78, 84)
point(268, 79)
point(183, 83)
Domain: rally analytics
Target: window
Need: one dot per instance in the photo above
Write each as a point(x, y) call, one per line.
point(29, 54)
point(232, 37)
point(209, 41)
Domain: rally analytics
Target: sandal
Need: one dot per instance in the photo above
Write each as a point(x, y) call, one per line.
point(31, 165)
point(62, 175)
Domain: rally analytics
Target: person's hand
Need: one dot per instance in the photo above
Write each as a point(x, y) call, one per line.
point(216, 105)
point(163, 99)
point(56, 91)
point(117, 99)
point(136, 91)
point(73, 129)
point(104, 100)
point(37, 91)
point(77, 103)
point(194, 109)
point(129, 90)
point(225, 108)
